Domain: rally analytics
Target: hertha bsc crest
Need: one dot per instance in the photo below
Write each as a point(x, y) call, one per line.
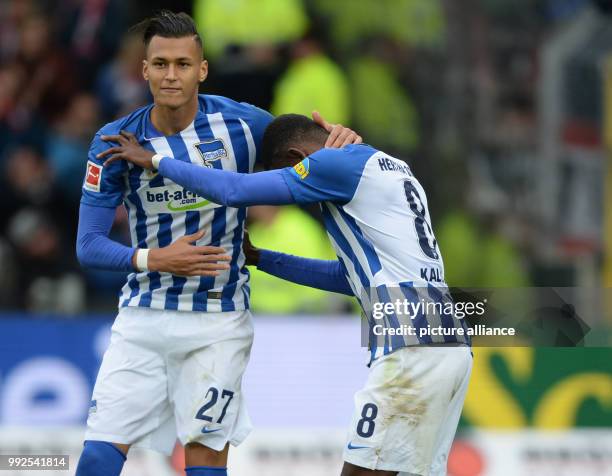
point(211, 151)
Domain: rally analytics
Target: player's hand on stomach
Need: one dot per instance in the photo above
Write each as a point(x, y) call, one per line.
point(183, 258)
point(339, 136)
point(251, 252)
point(128, 149)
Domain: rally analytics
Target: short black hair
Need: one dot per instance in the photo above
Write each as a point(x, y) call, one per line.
point(168, 24)
point(286, 131)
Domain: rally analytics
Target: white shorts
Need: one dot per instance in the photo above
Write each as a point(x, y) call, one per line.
point(170, 373)
point(406, 416)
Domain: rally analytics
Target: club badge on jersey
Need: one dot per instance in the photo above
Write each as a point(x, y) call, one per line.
point(211, 151)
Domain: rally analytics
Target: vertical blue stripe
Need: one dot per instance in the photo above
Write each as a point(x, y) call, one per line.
point(200, 303)
point(397, 341)
point(447, 321)
point(246, 292)
point(336, 233)
point(241, 155)
point(239, 144)
point(164, 233)
point(192, 222)
point(348, 278)
point(200, 300)
point(191, 219)
point(366, 245)
point(164, 238)
point(227, 295)
point(132, 282)
point(141, 229)
point(372, 339)
point(140, 226)
point(420, 321)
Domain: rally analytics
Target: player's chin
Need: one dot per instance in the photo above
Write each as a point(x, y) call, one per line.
point(170, 100)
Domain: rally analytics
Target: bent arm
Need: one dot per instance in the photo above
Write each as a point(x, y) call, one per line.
point(314, 273)
point(229, 188)
point(94, 248)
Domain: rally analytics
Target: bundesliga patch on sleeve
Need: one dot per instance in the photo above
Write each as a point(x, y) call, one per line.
point(93, 177)
point(302, 169)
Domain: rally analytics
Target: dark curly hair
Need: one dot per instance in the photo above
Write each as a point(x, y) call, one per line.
point(285, 132)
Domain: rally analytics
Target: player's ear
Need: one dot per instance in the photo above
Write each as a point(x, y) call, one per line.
point(145, 70)
point(295, 154)
point(203, 70)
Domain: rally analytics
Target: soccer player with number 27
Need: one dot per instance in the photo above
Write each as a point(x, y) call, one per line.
point(183, 335)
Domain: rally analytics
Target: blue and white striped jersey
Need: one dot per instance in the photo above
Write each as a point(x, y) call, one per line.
point(376, 216)
point(225, 135)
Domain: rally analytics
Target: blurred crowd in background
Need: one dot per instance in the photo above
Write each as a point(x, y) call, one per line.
point(499, 106)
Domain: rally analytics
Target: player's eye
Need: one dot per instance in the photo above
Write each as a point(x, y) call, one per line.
point(158, 64)
point(184, 65)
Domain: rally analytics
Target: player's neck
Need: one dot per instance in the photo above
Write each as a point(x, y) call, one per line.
point(170, 121)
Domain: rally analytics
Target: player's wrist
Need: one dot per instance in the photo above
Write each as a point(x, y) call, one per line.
point(140, 259)
point(155, 160)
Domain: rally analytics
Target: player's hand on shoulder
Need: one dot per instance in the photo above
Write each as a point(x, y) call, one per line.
point(339, 136)
point(251, 252)
point(184, 258)
point(128, 149)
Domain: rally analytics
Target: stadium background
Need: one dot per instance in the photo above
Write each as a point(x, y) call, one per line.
point(503, 108)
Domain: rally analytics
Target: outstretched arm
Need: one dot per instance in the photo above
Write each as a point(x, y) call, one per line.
point(314, 273)
point(220, 186)
point(229, 188)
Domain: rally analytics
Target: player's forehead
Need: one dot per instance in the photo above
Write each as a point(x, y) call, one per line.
point(173, 49)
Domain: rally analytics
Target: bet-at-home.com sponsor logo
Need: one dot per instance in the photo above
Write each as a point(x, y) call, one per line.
point(173, 199)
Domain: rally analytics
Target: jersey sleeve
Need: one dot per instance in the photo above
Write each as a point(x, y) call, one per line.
point(327, 175)
point(228, 188)
point(258, 121)
point(102, 186)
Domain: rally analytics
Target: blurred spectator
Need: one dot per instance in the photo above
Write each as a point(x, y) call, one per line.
point(288, 230)
point(29, 182)
point(458, 238)
point(46, 275)
point(384, 114)
point(312, 81)
point(248, 23)
point(418, 23)
point(90, 30)
point(245, 53)
point(19, 124)
point(475, 257)
point(68, 144)
point(120, 86)
point(12, 14)
point(49, 78)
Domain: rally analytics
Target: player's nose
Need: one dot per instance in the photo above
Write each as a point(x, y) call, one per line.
point(171, 72)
